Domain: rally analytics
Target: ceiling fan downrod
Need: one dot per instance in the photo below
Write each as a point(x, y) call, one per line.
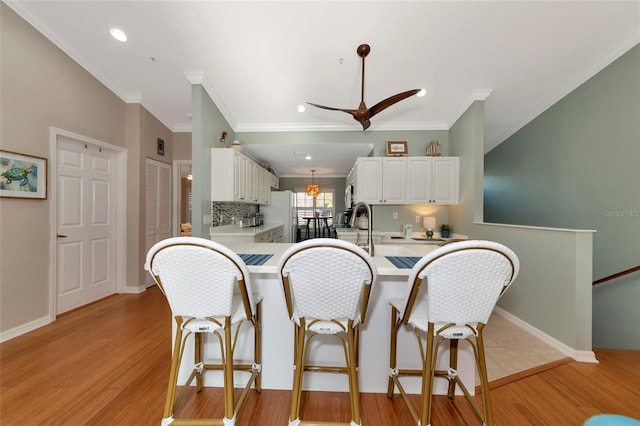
point(364, 114)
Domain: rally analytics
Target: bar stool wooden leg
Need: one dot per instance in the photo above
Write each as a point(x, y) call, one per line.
point(354, 389)
point(392, 351)
point(428, 371)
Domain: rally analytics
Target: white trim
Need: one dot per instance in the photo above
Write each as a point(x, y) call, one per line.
point(24, 328)
point(476, 95)
point(121, 213)
point(543, 228)
point(580, 356)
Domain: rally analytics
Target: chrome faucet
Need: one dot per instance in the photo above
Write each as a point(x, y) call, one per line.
point(369, 245)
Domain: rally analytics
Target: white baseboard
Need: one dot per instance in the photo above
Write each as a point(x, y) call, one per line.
point(24, 328)
point(580, 356)
point(133, 290)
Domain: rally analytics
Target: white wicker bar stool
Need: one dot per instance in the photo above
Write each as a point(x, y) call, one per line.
point(209, 290)
point(452, 293)
point(327, 285)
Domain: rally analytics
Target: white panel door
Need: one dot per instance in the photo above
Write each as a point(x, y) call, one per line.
point(157, 206)
point(86, 228)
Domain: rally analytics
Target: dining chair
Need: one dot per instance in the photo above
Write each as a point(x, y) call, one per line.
point(208, 288)
point(327, 285)
point(451, 294)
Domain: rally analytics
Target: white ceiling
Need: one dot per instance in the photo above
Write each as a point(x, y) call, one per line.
point(327, 159)
point(259, 59)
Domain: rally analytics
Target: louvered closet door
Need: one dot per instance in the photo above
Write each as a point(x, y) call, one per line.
point(158, 206)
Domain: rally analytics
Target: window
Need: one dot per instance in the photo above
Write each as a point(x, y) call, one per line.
point(323, 204)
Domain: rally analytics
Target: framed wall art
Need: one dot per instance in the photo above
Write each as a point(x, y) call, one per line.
point(22, 176)
point(397, 148)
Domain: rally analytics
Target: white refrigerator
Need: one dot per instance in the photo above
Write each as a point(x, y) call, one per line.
point(282, 210)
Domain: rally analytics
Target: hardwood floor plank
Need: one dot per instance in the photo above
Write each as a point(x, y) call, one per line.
point(108, 364)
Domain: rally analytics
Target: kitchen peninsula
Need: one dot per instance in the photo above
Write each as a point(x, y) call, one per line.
point(277, 329)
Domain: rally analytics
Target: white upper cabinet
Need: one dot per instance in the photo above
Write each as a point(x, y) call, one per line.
point(394, 180)
point(368, 171)
point(407, 180)
point(381, 180)
point(432, 180)
point(237, 178)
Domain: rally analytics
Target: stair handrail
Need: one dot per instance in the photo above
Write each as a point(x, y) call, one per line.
point(617, 275)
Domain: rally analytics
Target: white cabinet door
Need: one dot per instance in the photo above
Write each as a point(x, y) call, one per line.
point(418, 177)
point(445, 187)
point(432, 180)
point(369, 180)
point(265, 186)
point(239, 180)
point(394, 180)
point(381, 180)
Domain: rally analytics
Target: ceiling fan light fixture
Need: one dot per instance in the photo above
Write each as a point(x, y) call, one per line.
point(421, 93)
point(301, 108)
point(307, 157)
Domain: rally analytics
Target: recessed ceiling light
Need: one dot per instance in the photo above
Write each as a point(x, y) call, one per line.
point(118, 34)
point(308, 157)
point(421, 93)
point(301, 108)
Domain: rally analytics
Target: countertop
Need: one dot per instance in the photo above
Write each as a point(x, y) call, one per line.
point(232, 230)
point(384, 266)
point(388, 237)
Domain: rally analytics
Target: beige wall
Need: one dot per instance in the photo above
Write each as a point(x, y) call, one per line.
point(182, 146)
point(41, 87)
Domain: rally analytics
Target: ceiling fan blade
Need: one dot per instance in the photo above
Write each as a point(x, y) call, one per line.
point(325, 107)
point(382, 105)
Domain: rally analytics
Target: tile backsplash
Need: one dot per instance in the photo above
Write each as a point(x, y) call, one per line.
point(222, 213)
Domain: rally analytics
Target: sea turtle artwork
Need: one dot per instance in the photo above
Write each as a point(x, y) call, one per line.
point(17, 174)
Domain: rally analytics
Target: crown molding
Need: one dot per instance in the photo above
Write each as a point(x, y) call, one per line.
point(200, 77)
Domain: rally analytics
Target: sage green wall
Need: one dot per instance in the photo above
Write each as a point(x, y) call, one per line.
point(208, 125)
point(467, 141)
point(577, 165)
point(383, 215)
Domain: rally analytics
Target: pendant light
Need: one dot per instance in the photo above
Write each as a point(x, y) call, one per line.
point(313, 190)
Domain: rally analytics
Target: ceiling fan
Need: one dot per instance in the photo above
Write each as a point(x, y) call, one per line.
point(364, 114)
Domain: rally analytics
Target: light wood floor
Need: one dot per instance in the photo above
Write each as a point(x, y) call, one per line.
point(108, 363)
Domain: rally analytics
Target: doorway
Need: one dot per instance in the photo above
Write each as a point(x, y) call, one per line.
point(182, 198)
point(87, 220)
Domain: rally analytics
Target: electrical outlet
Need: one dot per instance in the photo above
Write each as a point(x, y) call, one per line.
point(417, 219)
point(395, 215)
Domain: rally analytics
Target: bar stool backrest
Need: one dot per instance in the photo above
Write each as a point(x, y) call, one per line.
point(326, 280)
point(199, 277)
point(463, 280)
